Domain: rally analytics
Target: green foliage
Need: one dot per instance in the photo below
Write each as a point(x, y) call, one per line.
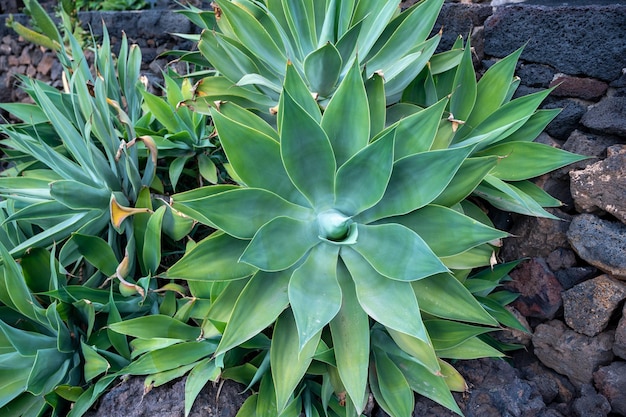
point(111, 5)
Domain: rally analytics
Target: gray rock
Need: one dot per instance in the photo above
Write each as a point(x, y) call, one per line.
point(619, 348)
point(567, 121)
point(601, 187)
point(608, 116)
point(560, 36)
point(459, 19)
point(602, 243)
point(591, 404)
point(572, 354)
point(588, 306)
point(569, 277)
point(611, 382)
point(126, 400)
point(539, 290)
point(587, 144)
point(561, 258)
point(554, 388)
point(535, 75)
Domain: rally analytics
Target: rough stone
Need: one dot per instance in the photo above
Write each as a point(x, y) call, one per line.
point(589, 306)
point(601, 243)
point(553, 387)
point(536, 237)
point(569, 277)
point(572, 354)
point(579, 87)
point(561, 258)
point(125, 400)
point(560, 36)
point(539, 290)
point(619, 347)
point(611, 382)
point(608, 116)
point(566, 121)
point(459, 19)
point(535, 75)
point(514, 336)
point(591, 404)
point(588, 144)
point(601, 187)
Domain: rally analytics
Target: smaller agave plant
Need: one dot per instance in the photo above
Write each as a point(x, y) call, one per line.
point(248, 43)
point(351, 241)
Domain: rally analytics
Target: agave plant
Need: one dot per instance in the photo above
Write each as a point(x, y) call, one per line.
point(250, 42)
point(348, 223)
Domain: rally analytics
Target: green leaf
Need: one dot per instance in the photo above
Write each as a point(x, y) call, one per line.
point(536, 193)
point(473, 348)
point(351, 340)
point(79, 196)
point(533, 126)
point(348, 138)
point(280, 244)
point(389, 302)
point(49, 370)
point(523, 160)
point(375, 89)
point(322, 68)
point(152, 245)
point(171, 357)
point(297, 89)
point(307, 154)
point(462, 232)
point(94, 363)
point(357, 186)
point(203, 372)
point(507, 197)
point(424, 352)
point(97, 252)
point(397, 252)
point(394, 388)
point(417, 180)
point(156, 326)
point(243, 211)
point(215, 258)
point(464, 92)
point(470, 174)
point(446, 334)
point(416, 133)
point(289, 361)
point(314, 293)
point(260, 303)
point(442, 295)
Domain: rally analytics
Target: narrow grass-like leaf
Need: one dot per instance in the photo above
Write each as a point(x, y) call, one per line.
point(289, 361)
point(215, 258)
point(389, 302)
point(351, 340)
point(314, 293)
point(397, 252)
point(362, 180)
point(260, 303)
point(269, 252)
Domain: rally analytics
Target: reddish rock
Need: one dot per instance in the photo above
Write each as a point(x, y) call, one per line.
point(45, 64)
point(611, 382)
point(540, 291)
point(579, 87)
point(572, 354)
point(588, 306)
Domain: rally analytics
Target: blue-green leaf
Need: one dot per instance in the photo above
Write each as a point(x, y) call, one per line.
point(322, 68)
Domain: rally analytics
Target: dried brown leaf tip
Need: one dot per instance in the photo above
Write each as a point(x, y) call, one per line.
point(216, 10)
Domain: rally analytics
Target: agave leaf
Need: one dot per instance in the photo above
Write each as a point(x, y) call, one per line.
point(228, 56)
point(152, 241)
point(473, 348)
point(97, 252)
point(446, 334)
point(215, 258)
point(358, 185)
point(260, 303)
point(300, 138)
point(297, 89)
point(533, 126)
point(536, 193)
point(289, 361)
point(375, 89)
point(389, 302)
point(417, 180)
point(523, 160)
point(476, 257)
point(444, 296)
point(322, 68)
point(268, 251)
point(464, 232)
point(464, 93)
point(503, 315)
point(49, 370)
point(416, 132)
point(315, 302)
point(350, 98)
point(203, 372)
point(351, 340)
point(424, 352)
point(470, 174)
point(171, 357)
point(396, 252)
point(300, 18)
point(95, 364)
point(211, 90)
point(156, 326)
point(393, 386)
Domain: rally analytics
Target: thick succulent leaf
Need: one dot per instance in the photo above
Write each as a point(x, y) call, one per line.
point(314, 293)
point(473, 348)
point(171, 357)
point(280, 244)
point(524, 160)
point(300, 18)
point(507, 197)
point(156, 326)
point(470, 174)
point(151, 253)
point(442, 295)
point(298, 90)
point(417, 180)
point(212, 90)
point(389, 302)
point(260, 303)
point(322, 68)
point(424, 382)
point(80, 196)
point(95, 364)
point(251, 33)
point(248, 119)
point(97, 252)
point(351, 340)
point(289, 361)
point(397, 252)
point(348, 137)
point(446, 334)
point(393, 386)
point(462, 232)
point(464, 91)
point(205, 371)
point(533, 126)
point(416, 133)
point(375, 89)
point(215, 258)
point(49, 370)
point(423, 352)
point(243, 211)
point(536, 193)
point(179, 201)
point(481, 255)
point(307, 154)
point(362, 180)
